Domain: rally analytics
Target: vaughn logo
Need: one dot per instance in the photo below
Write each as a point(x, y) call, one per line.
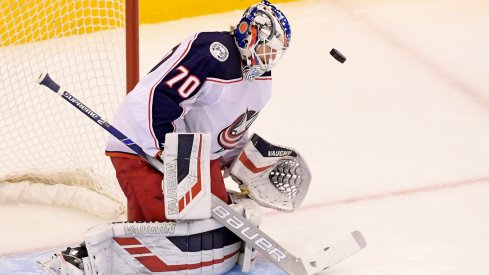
point(171, 185)
point(150, 229)
point(229, 137)
point(279, 153)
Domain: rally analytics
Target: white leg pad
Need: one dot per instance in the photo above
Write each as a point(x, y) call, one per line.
point(199, 247)
point(247, 258)
point(252, 211)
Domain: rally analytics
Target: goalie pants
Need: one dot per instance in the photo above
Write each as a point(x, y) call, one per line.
point(141, 184)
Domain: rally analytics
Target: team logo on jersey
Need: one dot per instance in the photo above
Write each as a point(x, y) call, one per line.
point(230, 136)
point(219, 51)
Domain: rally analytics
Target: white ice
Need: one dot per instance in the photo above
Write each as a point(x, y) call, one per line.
point(397, 137)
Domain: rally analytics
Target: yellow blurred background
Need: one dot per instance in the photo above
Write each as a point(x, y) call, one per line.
point(34, 20)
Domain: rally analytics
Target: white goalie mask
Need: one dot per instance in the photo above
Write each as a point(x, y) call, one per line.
point(262, 36)
point(274, 176)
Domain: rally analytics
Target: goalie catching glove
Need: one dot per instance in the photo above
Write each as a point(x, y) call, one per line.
point(274, 176)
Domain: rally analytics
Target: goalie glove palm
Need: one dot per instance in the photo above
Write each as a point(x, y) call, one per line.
point(274, 176)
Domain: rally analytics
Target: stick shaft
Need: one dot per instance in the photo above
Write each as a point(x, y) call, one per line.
point(47, 81)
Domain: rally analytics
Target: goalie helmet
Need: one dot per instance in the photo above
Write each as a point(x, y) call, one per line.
point(262, 36)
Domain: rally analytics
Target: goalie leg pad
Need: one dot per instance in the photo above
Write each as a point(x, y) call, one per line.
point(199, 247)
point(247, 258)
point(252, 212)
point(69, 261)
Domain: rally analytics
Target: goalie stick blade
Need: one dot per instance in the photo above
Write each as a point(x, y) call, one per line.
point(331, 255)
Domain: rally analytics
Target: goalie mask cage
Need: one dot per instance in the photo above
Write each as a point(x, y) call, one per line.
point(50, 153)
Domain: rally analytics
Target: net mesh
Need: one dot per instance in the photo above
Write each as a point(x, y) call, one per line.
point(81, 45)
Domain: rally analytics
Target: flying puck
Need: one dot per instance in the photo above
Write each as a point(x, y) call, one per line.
point(337, 55)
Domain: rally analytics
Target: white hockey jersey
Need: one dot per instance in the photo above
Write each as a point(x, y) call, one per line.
point(197, 87)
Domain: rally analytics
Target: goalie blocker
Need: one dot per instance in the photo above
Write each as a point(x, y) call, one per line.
point(187, 182)
point(274, 176)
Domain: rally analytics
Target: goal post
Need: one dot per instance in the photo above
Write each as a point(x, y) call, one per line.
point(92, 46)
point(132, 44)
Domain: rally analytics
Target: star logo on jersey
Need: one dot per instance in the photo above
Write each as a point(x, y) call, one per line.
point(219, 51)
point(230, 136)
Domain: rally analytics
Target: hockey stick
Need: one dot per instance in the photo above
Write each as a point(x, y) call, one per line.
point(229, 218)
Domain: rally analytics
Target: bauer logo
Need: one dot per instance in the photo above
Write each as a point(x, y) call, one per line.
point(219, 51)
point(279, 153)
point(255, 237)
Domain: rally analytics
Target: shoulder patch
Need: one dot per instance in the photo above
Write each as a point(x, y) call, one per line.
point(219, 51)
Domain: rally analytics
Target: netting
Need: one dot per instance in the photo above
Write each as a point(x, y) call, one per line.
point(43, 139)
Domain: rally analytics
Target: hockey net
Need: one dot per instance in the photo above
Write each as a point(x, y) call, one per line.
point(50, 153)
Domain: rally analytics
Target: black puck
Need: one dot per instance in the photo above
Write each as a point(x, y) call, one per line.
point(337, 55)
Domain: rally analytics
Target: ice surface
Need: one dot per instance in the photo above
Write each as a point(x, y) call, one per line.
point(397, 137)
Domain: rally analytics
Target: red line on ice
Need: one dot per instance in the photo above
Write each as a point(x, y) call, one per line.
point(381, 196)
